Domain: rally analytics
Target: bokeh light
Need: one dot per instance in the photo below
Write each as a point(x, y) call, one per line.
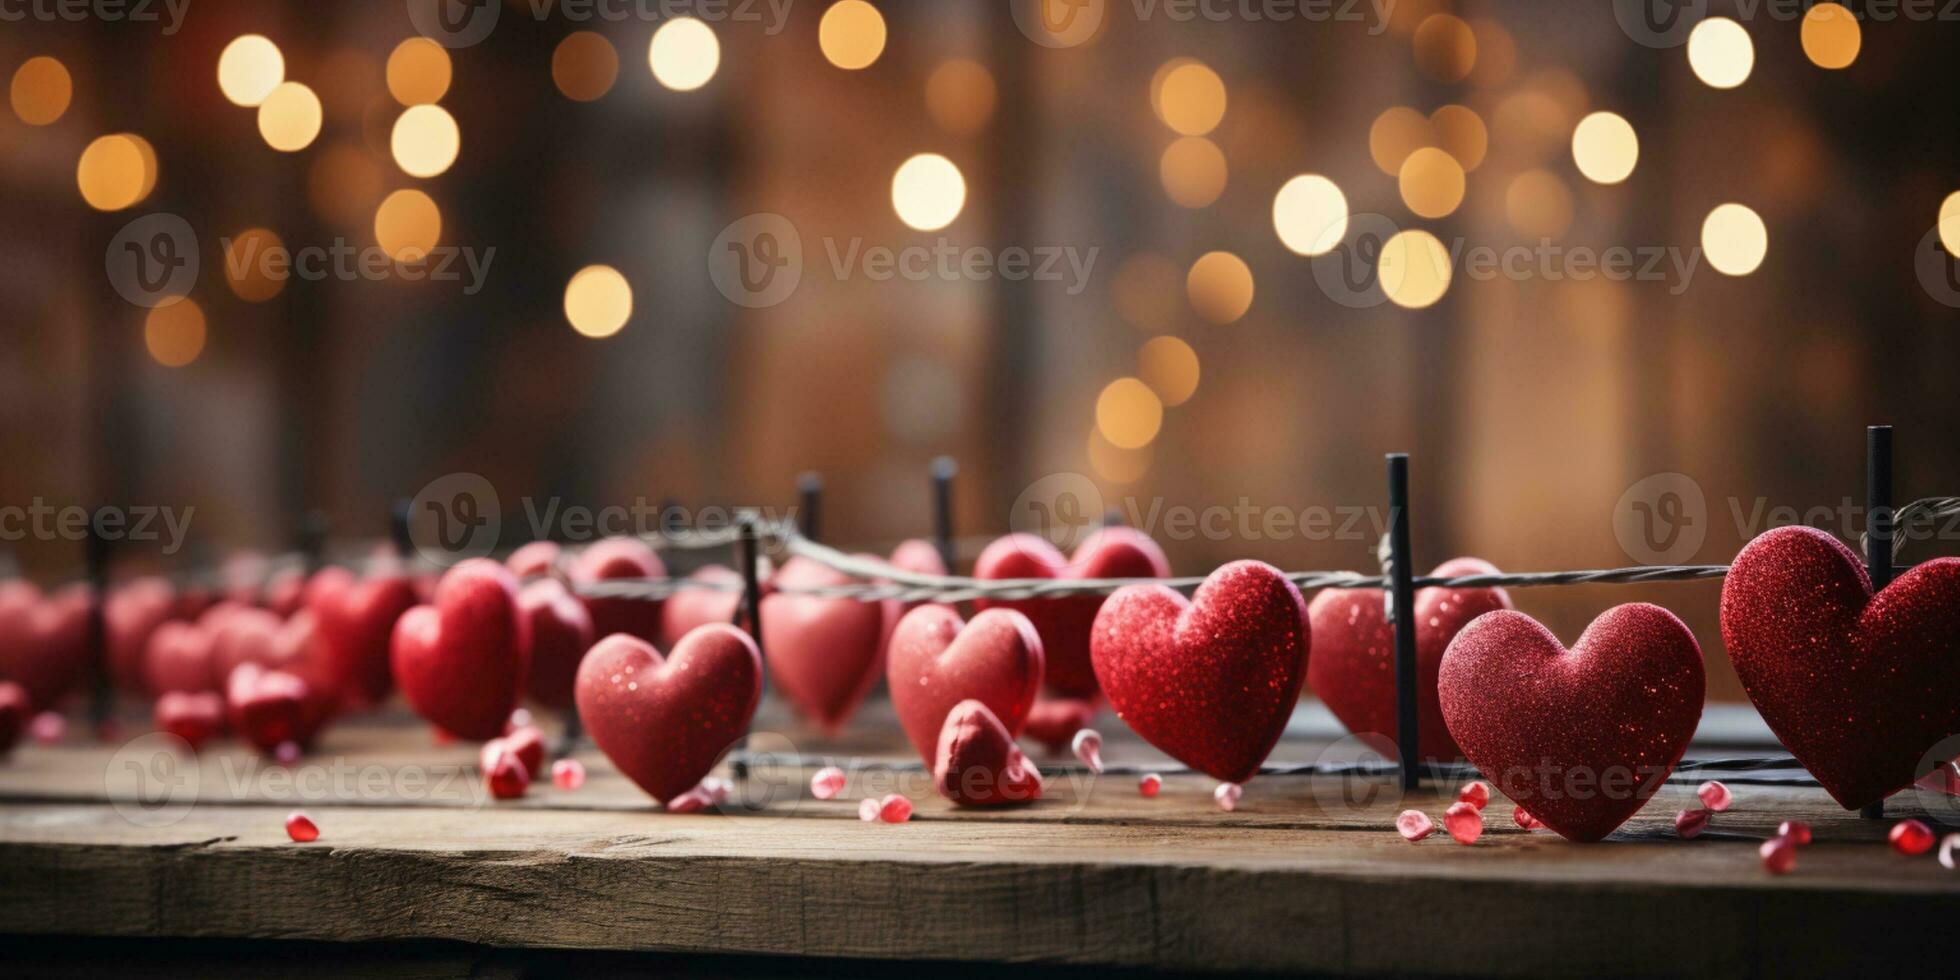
point(1446, 48)
point(1538, 205)
point(114, 173)
point(1413, 269)
point(1734, 239)
point(1310, 214)
point(344, 184)
point(1605, 148)
point(1720, 52)
point(289, 118)
point(425, 140)
point(1431, 183)
point(41, 90)
point(1831, 36)
point(584, 66)
point(1460, 132)
point(250, 269)
point(418, 72)
point(598, 301)
point(1117, 465)
point(1128, 413)
point(149, 156)
point(960, 95)
point(249, 69)
point(1193, 171)
point(1147, 291)
point(1950, 224)
point(1191, 99)
point(1396, 133)
point(684, 54)
point(175, 332)
point(1170, 367)
point(1497, 53)
point(928, 192)
point(1220, 287)
point(407, 225)
point(851, 34)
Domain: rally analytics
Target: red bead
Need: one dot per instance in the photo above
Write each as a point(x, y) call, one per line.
point(868, 809)
point(1779, 855)
point(506, 775)
point(1796, 830)
point(827, 783)
point(1690, 823)
point(568, 774)
point(301, 827)
point(1227, 796)
point(717, 790)
point(1715, 796)
point(895, 809)
point(1524, 819)
point(1088, 748)
point(1464, 822)
point(1475, 792)
point(1911, 837)
point(1950, 852)
point(1414, 825)
point(1150, 784)
point(692, 801)
point(48, 727)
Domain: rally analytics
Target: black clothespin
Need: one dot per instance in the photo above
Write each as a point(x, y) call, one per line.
point(1401, 592)
point(943, 471)
point(809, 496)
point(1878, 530)
point(749, 608)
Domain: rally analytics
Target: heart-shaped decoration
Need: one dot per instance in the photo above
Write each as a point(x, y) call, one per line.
point(976, 763)
point(1054, 721)
point(357, 620)
point(461, 661)
point(194, 716)
point(936, 661)
point(1581, 739)
point(131, 615)
point(620, 558)
point(690, 609)
point(561, 632)
point(15, 710)
point(181, 658)
point(1353, 666)
point(1064, 623)
point(1859, 687)
point(912, 555)
point(823, 653)
point(270, 707)
point(1211, 680)
point(44, 640)
point(666, 722)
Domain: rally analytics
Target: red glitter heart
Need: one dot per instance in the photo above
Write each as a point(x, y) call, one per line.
point(823, 653)
point(462, 661)
point(1580, 739)
point(561, 632)
point(1353, 666)
point(666, 722)
point(1064, 623)
point(976, 763)
point(1858, 687)
point(935, 661)
point(44, 640)
point(612, 559)
point(1211, 680)
point(357, 618)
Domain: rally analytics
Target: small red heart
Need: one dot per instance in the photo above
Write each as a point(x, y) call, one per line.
point(976, 763)
point(911, 555)
point(936, 660)
point(1054, 721)
point(690, 609)
point(534, 560)
point(823, 653)
point(194, 716)
point(666, 722)
point(15, 710)
point(284, 593)
point(181, 658)
point(44, 640)
point(561, 632)
point(1064, 623)
point(1858, 687)
point(131, 615)
point(613, 559)
point(357, 619)
point(461, 662)
point(271, 707)
point(1211, 680)
point(1353, 666)
point(1582, 739)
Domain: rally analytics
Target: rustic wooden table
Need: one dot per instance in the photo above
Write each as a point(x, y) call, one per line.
point(1307, 875)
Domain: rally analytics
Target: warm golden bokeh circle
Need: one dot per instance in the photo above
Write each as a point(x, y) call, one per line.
point(425, 140)
point(851, 34)
point(114, 172)
point(1720, 52)
point(1734, 239)
point(1413, 269)
point(1220, 287)
point(255, 264)
point(407, 225)
point(1129, 414)
point(174, 333)
point(1191, 99)
point(1310, 214)
point(598, 301)
point(290, 117)
point(960, 95)
point(41, 90)
point(584, 66)
point(1396, 133)
point(1831, 36)
point(1431, 183)
point(1193, 171)
point(249, 68)
point(1170, 367)
point(928, 192)
point(1605, 147)
point(684, 54)
point(1460, 132)
point(1446, 48)
point(418, 72)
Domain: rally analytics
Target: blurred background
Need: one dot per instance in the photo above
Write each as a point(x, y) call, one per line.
point(1260, 245)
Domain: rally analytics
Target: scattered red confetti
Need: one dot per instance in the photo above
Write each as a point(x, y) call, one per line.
point(1414, 825)
point(504, 772)
point(1150, 784)
point(868, 809)
point(1690, 823)
point(895, 809)
point(1796, 830)
point(1715, 796)
point(301, 827)
point(1779, 855)
point(1911, 837)
point(1464, 822)
point(1227, 796)
point(1524, 819)
point(1088, 747)
point(48, 727)
point(568, 774)
point(827, 783)
point(1475, 792)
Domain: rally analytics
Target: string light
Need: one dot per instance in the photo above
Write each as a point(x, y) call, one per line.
point(851, 34)
point(1431, 183)
point(148, 154)
point(1396, 133)
point(174, 332)
point(1193, 171)
point(928, 192)
point(1310, 214)
point(1460, 132)
point(1117, 465)
point(960, 95)
point(1191, 99)
point(247, 272)
point(1720, 52)
point(249, 68)
point(1605, 147)
point(1950, 223)
point(1831, 36)
point(1413, 269)
point(41, 90)
point(418, 72)
point(1170, 367)
point(1445, 48)
point(598, 301)
point(407, 225)
point(289, 118)
point(684, 54)
point(113, 173)
point(1734, 239)
point(1128, 413)
point(425, 140)
point(1220, 287)
point(584, 66)
point(344, 184)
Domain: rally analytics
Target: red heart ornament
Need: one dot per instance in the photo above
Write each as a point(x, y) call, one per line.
point(461, 661)
point(690, 609)
point(936, 661)
point(357, 621)
point(1064, 623)
point(1054, 721)
point(181, 658)
point(534, 560)
point(1580, 739)
point(911, 555)
point(194, 716)
point(1859, 687)
point(1210, 680)
point(823, 653)
point(620, 558)
point(270, 707)
point(44, 640)
point(976, 763)
point(15, 710)
point(131, 615)
point(666, 722)
point(561, 632)
point(1353, 665)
